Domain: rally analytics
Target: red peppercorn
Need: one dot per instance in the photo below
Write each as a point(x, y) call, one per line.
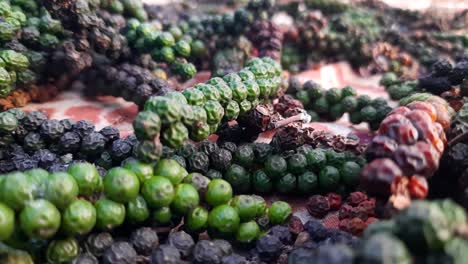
point(418, 187)
point(356, 198)
point(356, 226)
point(381, 147)
point(423, 106)
point(401, 110)
point(432, 158)
point(318, 206)
point(335, 201)
point(359, 212)
point(343, 225)
point(368, 207)
point(409, 159)
point(345, 211)
point(377, 177)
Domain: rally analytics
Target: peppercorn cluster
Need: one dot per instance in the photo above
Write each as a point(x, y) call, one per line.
point(27, 35)
point(132, 9)
point(132, 82)
point(45, 203)
point(331, 104)
point(442, 78)
point(261, 168)
point(355, 213)
point(33, 141)
point(164, 46)
point(407, 149)
point(196, 112)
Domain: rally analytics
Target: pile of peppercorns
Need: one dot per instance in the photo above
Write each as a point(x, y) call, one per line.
point(31, 140)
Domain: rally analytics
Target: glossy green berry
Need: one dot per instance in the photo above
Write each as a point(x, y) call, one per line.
point(279, 212)
point(40, 219)
point(121, 185)
point(79, 218)
point(63, 250)
point(7, 222)
point(197, 220)
point(158, 192)
point(185, 199)
point(109, 214)
point(62, 189)
point(137, 210)
point(86, 176)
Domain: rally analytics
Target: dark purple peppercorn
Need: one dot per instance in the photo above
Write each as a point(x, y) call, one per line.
point(45, 157)
point(207, 147)
point(132, 140)
point(57, 167)
point(269, 247)
point(301, 256)
point(120, 149)
point(70, 142)
point(220, 159)
point(83, 128)
point(317, 230)
point(6, 166)
point(206, 252)
point(120, 252)
point(441, 67)
point(435, 85)
point(110, 133)
point(20, 132)
point(144, 240)
point(25, 164)
point(33, 141)
point(105, 160)
point(93, 144)
point(334, 254)
point(230, 146)
point(281, 232)
point(199, 162)
point(183, 242)
point(459, 72)
point(51, 129)
point(165, 254)
point(33, 120)
point(234, 259)
point(187, 150)
point(96, 244)
point(67, 124)
point(224, 246)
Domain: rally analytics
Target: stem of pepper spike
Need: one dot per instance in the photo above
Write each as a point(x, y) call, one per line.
point(303, 117)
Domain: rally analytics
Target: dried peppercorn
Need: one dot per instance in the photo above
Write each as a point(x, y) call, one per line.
point(318, 206)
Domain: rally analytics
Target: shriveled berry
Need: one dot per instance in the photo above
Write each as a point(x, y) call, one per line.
point(183, 242)
point(269, 247)
point(144, 240)
point(120, 252)
point(378, 176)
point(318, 206)
point(409, 159)
point(165, 254)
